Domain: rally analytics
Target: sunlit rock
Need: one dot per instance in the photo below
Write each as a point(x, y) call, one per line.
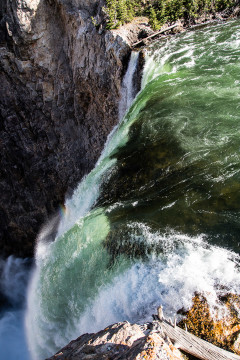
point(219, 325)
point(122, 341)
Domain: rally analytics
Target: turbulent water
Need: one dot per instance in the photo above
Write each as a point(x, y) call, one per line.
point(158, 217)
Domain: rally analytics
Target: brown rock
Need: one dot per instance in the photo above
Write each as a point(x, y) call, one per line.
point(152, 347)
point(221, 329)
point(179, 28)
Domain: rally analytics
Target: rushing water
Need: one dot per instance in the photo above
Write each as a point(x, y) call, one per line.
point(158, 217)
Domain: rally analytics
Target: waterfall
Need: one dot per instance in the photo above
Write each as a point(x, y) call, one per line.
point(74, 211)
point(87, 191)
point(157, 219)
point(127, 91)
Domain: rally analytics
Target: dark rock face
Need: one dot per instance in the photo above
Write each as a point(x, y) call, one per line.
point(60, 80)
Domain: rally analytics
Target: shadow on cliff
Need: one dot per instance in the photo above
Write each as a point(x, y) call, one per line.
point(60, 86)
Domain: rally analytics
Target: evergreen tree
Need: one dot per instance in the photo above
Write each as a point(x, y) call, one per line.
point(153, 21)
point(112, 13)
point(122, 11)
point(160, 11)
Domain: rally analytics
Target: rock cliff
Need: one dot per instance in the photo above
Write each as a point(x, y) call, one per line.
point(60, 81)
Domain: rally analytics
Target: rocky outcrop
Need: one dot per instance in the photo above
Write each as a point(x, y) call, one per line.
point(122, 341)
point(60, 76)
point(219, 326)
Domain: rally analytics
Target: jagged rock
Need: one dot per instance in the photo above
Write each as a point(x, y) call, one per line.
point(60, 82)
point(122, 341)
point(221, 327)
point(135, 30)
point(179, 28)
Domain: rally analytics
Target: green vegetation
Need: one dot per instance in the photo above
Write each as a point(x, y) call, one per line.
point(122, 11)
point(160, 11)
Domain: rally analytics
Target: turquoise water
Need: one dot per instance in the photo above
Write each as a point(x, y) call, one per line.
point(158, 217)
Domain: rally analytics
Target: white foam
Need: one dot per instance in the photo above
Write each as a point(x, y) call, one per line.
point(170, 280)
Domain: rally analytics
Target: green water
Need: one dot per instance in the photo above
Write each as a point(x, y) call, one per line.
point(158, 217)
point(182, 161)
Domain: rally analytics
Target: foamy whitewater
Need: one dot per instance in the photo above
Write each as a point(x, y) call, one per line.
point(157, 219)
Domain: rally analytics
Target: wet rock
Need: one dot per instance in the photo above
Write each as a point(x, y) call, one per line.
point(145, 33)
point(122, 341)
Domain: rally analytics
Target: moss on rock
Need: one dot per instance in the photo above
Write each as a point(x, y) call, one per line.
point(221, 328)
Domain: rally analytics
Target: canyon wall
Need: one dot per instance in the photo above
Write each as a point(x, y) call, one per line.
point(60, 82)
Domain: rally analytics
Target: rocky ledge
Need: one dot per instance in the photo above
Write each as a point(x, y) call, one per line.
point(219, 325)
point(204, 332)
point(122, 341)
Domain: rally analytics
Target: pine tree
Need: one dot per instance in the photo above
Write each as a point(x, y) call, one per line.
point(122, 11)
point(112, 13)
point(153, 21)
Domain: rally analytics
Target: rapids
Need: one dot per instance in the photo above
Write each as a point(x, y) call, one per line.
point(157, 219)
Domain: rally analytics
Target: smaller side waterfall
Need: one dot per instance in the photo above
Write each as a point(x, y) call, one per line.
point(127, 92)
